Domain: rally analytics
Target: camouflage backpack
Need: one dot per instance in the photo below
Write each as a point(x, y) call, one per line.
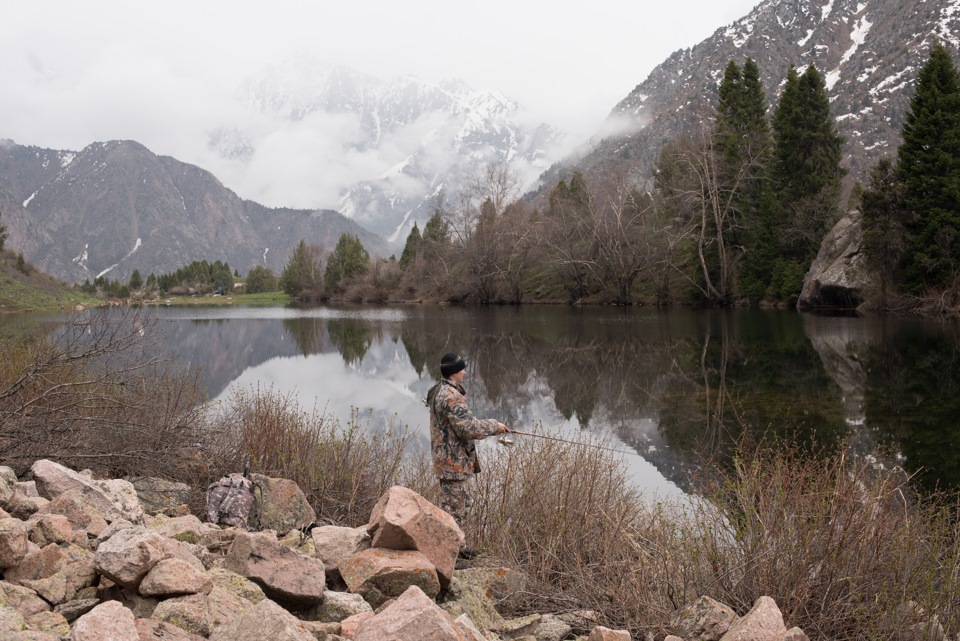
point(230, 500)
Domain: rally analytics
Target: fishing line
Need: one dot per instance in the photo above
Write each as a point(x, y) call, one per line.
point(561, 440)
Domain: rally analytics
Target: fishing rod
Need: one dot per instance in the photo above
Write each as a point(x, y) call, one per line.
point(508, 441)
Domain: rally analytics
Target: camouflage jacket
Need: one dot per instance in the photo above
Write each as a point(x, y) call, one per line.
point(453, 430)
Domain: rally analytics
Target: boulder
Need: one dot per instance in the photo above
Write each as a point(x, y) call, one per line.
point(763, 622)
point(127, 556)
point(56, 572)
point(350, 625)
point(378, 574)
point(8, 475)
point(26, 488)
point(520, 627)
point(236, 584)
point(286, 575)
point(21, 505)
point(79, 510)
point(473, 599)
point(44, 529)
point(187, 529)
point(191, 613)
point(108, 621)
point(552, 628)
point(174, 576)
point(6, 490)
point(72, 610)
point(11, 621)
point(23, 600)
point(156, 495)
point(337, 606)
point(114, 498)
point(404, 520)
point(152, 630)
point(52, 623)
point(224, 606)
point(333, 543)
point(705, 619)
point(839, 277)
point(280, 505)
point(601, 633)
point(796, 634)
point(265, 620)
point(412, 617)
point(13, 542)
point(465, 627)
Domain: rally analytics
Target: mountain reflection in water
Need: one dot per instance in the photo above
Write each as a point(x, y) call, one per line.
point(665, 385)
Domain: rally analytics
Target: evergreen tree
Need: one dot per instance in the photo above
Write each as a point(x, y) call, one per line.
point(136, 280)
point(742, 138)
point(802, 195)
point(348, 259)
point(437, 230)
point(302, 272)
point(883, 209)
point(411, 249)
point(929, 166)
point(21, 264)
point(260, 279)
point(3, 236)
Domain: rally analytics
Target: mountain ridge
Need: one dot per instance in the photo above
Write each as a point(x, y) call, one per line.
point(116, 206)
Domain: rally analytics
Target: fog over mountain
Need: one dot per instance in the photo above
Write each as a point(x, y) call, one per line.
point(405, 139)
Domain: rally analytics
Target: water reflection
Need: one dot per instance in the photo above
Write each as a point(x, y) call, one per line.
point(666, 385)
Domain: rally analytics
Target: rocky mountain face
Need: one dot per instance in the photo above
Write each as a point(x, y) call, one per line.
point(116, 206)
point(436, 136)
point(868, 50)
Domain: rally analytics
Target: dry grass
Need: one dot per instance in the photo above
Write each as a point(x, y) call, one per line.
point(840, 544)
point(343, 470)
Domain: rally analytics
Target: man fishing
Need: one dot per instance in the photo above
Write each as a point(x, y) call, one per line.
point(453, 430)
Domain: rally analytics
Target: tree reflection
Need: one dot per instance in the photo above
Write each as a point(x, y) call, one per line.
point(307, 333)
point(913, 401)
point(351, 337)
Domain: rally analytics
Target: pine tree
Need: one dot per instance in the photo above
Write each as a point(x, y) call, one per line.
point(742, 136)
point(929, 166)
point(804, 188)
point(136, 280)
point(883, 209)
point(348, 259)
point(302, 271)
point(411, 249)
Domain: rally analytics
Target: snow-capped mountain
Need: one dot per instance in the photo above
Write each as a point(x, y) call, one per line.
point(417, 138)
point(868, 50)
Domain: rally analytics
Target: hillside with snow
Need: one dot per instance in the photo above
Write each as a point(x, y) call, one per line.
point(868, 50)
point(406, 139)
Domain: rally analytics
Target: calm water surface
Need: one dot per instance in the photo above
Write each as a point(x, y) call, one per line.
point(660, 386)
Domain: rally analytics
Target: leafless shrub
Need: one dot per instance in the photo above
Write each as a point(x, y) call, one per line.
point(837, 543)
point(91, 395)
point(344, 470)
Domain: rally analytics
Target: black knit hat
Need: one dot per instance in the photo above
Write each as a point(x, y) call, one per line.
point(450, 364)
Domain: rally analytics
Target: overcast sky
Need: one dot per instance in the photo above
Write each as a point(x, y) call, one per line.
point(72, 73)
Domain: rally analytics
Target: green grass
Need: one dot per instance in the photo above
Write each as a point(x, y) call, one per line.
point(35, 291)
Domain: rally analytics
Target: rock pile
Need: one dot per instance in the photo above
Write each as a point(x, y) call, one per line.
point(90, 560)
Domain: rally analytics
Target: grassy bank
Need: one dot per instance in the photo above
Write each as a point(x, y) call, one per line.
point(840, 544)
point(32, 291)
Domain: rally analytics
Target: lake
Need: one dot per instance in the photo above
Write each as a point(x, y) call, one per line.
point(659, 386)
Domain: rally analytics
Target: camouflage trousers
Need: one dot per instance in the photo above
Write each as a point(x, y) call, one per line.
point(455, 500)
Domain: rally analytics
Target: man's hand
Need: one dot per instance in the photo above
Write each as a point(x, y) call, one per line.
point(503, 429)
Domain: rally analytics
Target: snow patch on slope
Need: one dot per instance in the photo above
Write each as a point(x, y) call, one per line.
point(858, 36)
point(136, 246)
